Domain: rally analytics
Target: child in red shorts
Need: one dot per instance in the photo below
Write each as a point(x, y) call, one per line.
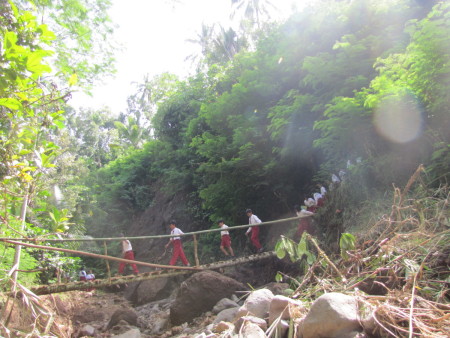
point(226, 240)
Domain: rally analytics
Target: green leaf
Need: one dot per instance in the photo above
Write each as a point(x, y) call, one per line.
point(302, 247)
point(310, 258)
point(279, 250)
point(10, 103)
point(278, 277)
point(73, 79)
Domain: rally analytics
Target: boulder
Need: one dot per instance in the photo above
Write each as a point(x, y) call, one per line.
point(331, 315)
point(127, 315)
point(199, 293)
point(284, 307)
point(252, 330)
point(223, 304)
point(226, 315)
point(257, 304)
point(148, 290)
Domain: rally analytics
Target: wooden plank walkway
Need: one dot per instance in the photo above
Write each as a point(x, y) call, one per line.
point(99, 283)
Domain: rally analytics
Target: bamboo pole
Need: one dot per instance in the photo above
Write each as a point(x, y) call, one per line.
point(153, 236)
point(107, 262)
point(197, 263)
point(103, 256)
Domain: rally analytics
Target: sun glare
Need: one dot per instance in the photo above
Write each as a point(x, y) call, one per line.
point(399, 119)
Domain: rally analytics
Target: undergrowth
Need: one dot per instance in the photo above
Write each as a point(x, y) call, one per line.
point(399, 265)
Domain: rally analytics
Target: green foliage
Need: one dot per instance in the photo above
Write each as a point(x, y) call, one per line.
point(297, 252)
point(31, 114)
point(27, 262)
point(256, 128)
point(347, 242)
point(59, 220)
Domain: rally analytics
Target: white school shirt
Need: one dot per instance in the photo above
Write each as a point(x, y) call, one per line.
point(323, 191)
point(82, 273)
point(126, 245)
point(224, 232)
point(317, 196)
point(311, 202)
point(304, 213)
point(176, 231)
point(335, 179)
point(253, 219)
point(90, 276)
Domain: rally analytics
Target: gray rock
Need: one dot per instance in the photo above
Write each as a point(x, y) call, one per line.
point(223, 326)
point(133, 333)
point(199, 293)
point(252, 319)
point(258, 303)
point(159, 324)
point(149, 290)
point(332, 315)
point(128, 315)
point(87, 330)
point(223, 304)
point(252, 330)
point(236, 299)
point(284, 306)
point(282, 328)
point(226, 315)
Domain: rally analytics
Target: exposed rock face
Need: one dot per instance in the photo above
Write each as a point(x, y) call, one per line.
point(155, 220)
point(331, 315)
point(199, 293)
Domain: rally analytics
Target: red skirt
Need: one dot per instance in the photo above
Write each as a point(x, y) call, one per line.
point(226, 241)
point(305, 225)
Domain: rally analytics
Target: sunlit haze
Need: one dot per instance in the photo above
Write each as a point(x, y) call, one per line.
point(154, 35)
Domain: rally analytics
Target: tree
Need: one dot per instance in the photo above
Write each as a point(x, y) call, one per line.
point(31, 104)
point(254, 10)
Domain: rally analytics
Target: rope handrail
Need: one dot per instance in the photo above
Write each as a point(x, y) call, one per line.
point(237, 227)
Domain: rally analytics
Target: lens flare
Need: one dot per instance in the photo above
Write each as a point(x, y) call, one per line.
point(399, 119)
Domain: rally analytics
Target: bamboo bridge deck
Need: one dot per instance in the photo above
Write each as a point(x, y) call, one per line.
point(101, 283)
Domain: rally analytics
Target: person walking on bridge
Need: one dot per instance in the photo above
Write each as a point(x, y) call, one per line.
point(127, 253)
point(177, 247)
point(225, 242)
point(254, 230)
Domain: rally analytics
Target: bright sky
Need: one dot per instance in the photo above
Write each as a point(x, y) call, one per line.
point(154, 34)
